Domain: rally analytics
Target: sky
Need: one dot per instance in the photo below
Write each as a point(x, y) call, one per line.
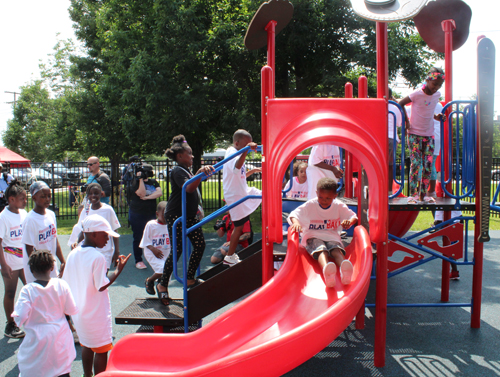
point(28, 33)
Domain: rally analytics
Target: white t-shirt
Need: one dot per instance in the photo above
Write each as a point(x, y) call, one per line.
point(422, 113)
point(299, 190)
point(85, 273)
point(4, 183)
point(329, 154)
point(156, 235)
point(39, 231)
point(11, 233)
point(235, 186)
point(107, 212)
point(397, 113)
point(75, 233)
point(437, 130)
point(48, 348)
point(317, 222)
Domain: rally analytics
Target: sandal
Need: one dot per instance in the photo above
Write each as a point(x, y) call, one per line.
point(196, 283)
point(429, 200)
point(163, 296)
point(150, 287)
point(414, 200)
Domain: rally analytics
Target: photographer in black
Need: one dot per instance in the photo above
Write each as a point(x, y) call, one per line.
point(226, 226)
point(142, 207)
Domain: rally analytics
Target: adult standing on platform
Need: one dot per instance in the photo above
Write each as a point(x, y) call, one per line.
point(97, 175)
point(324, 162)
point(143, 194)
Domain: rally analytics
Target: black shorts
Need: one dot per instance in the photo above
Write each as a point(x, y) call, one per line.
point(241, 222)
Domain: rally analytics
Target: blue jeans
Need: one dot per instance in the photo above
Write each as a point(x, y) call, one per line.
point(138, 222)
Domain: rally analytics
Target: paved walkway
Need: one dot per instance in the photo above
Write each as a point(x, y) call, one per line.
point(420, 341)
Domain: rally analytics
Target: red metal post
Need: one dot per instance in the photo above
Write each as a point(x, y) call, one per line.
point(362, 93)
point(271, 36)
point(348, 155)
point(448, 26)
point(267, 246)
point(382, 279)
point(382, 61)
point(381, 305)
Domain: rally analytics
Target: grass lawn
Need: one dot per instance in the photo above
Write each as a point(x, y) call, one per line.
point(425, 219)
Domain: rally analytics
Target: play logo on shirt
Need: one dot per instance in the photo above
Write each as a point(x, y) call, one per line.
point(16, 233)
point(160, 241)
point(332, 160)
point(47, 234)
point(324, 224)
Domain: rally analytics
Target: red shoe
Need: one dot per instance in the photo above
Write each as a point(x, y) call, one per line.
point(454, 275)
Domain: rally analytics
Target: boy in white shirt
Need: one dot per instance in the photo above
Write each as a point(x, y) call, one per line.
point(234, 180)
point(324, 162)
point(94, 195)
point(86, 275)
point(321, 220)
point(156, 245)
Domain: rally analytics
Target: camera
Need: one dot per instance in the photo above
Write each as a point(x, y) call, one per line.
point(145, 170)
point(220, 224)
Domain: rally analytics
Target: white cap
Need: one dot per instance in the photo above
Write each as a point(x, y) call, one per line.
point(96, 223)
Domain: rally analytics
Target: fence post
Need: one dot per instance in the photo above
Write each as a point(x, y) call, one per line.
point(53, 190)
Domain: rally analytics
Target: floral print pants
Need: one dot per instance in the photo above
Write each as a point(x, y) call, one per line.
point(197, 241)
point(421, 150)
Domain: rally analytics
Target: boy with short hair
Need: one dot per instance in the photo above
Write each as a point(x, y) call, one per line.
point(156, 245)
point(321, 220)
point(234, 180)
point(85, 273)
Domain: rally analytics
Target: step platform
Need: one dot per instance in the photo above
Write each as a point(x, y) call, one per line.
point(222, 286)
point(442, 204)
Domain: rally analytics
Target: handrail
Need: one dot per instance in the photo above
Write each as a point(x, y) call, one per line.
point(217, 167)
point(468, 149)
point(403, 132)
point(284, 192)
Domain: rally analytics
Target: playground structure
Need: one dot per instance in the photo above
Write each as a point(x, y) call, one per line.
point(293, 314)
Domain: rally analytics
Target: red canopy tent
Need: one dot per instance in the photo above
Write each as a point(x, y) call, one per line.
point(13, 159)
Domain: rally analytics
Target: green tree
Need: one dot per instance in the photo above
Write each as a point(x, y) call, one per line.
point(32, 131)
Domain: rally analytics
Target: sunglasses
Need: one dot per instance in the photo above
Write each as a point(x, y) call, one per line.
point(90, 164)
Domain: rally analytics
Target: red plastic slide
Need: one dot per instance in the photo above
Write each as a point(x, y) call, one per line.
point(280, 326)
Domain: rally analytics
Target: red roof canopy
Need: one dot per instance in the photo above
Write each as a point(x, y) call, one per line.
point(6, 155)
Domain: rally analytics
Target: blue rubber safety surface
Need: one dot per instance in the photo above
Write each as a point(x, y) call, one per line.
point(420, 341)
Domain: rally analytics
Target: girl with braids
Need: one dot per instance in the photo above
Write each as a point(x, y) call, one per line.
point(40, 229)
point(11, 251)
point(421, 134)
point(48, 348)
point(181, 153)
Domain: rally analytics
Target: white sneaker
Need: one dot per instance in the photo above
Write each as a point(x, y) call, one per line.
point(140, 265)
point(346, 269)
point(231, 260)
point(329, 272)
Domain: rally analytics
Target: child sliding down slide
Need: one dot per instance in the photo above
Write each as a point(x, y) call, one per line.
point(321, 220)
